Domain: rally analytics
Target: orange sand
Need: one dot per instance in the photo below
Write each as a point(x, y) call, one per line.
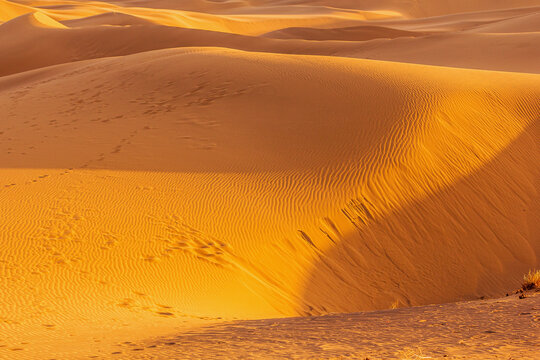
point(167, 165)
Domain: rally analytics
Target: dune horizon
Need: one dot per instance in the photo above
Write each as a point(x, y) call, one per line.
point(269, 179)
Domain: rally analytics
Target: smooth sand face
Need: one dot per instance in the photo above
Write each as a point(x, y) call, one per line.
point(166, 166)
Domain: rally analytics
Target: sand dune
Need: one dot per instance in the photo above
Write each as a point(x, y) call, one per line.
point(37, 46)
point(9, 10)
point(357, 33)
point(167, 165)
point(413, 9)
point(107, 18)
point(505, 52)
point(231, 209)
point(30, 21)
point(461, 21)
point(518, 24)
point(245, 24)
point(416, 8)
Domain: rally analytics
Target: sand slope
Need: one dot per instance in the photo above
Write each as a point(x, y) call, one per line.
point(168, 187)
point(163, 169)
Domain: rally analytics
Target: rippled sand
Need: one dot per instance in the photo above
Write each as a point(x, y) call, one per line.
point(183, 171)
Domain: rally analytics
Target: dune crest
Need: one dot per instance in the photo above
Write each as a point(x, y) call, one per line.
point(10, 10)
point(37, 19)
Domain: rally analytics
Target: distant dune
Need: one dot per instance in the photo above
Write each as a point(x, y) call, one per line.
point(166, 167)
point(355, 33)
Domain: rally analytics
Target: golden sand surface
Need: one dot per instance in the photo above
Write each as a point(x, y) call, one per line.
point(218, 168)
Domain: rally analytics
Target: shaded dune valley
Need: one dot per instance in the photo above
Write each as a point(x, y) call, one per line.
point(295, 179)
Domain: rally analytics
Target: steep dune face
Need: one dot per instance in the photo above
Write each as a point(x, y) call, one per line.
point(430, 231)
point(201, 161)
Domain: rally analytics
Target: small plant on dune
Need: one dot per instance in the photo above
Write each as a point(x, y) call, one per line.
point(531, 280)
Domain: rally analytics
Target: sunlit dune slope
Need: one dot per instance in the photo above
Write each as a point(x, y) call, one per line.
point(107, 19)
point(27, 22)
point(193, 183)
point(9, 10)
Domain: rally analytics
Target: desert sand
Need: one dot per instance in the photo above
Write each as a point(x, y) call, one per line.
point(207, 171)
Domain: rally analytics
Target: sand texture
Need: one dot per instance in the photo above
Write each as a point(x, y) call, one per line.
point(243, 179)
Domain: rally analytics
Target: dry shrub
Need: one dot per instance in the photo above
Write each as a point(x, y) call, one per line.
point(531, 280)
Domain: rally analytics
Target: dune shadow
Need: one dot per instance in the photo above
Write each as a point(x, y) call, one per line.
point(474, 238)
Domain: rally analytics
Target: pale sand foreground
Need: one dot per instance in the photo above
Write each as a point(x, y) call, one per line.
point(163, 169)
point(504, 328)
